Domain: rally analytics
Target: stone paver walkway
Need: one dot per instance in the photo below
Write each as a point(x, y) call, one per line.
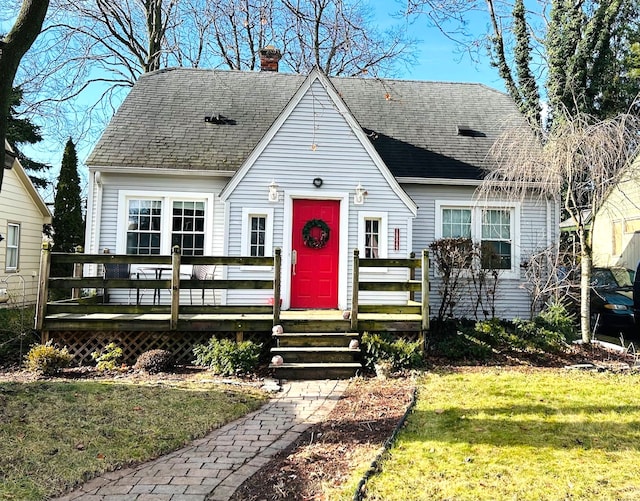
point(213, 467)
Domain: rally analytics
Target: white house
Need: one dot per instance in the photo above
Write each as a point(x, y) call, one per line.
point(23, 214)
point(239, 163)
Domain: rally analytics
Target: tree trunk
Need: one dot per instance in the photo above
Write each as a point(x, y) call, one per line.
point(17, 42)
point(585, 297)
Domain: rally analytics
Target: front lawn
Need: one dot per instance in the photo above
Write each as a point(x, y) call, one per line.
point(54, 435)
point(517, 434)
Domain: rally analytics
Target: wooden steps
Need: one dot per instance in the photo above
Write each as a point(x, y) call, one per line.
point(315, 355)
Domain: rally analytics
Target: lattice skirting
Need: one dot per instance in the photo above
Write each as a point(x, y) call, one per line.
point(133, 344)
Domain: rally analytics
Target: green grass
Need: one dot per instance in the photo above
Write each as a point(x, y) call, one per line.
point(500, 434)
point(54, 435)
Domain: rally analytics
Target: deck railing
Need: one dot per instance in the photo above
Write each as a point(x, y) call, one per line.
point(80, 304)
point(415, 313)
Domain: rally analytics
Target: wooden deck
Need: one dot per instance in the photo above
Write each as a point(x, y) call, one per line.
point(291, 320)
point(86, 323)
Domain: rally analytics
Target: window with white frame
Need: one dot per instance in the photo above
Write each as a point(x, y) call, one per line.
point(494, 227)
point(372, 234)
point(157, 223)
point(187, 227)
point(144, 229)
point(496, 239)
point(13, 246)
point(257, 232)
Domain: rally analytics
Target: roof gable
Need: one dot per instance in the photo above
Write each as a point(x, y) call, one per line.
point(317, 76)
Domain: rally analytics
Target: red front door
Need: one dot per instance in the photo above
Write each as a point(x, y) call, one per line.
point(314, 276)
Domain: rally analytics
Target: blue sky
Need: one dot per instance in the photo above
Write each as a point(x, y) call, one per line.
point(438, 57)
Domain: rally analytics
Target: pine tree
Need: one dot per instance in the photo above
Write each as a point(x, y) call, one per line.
point(68, 225)
point(528, 88)
point(23, 131)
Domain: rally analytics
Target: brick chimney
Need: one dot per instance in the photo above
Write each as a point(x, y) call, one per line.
point(269, 57)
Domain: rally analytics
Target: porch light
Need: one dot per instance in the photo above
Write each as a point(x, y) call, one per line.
point(358, 198)
point(274, 196)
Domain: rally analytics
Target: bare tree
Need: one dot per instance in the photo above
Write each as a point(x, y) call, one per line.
point(580, 162)
point(338, 37)
point(13, 47)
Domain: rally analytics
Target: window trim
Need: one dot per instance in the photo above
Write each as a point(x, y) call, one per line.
point(476, 226)
point(245, 239)
point(13, 269)
point(383, 240)
point(167, 199)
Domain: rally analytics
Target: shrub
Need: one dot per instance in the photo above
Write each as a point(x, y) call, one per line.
point(558, 318)
point(400, 353)
point(108, 359)
point(47, 359)
point(227, 357)
point(16, 334)
point(154, 361)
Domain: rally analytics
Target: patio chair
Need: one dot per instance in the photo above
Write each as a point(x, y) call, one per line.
point(203, 272)
point(115, 270)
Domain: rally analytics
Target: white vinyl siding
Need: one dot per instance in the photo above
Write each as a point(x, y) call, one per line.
point(17, 206)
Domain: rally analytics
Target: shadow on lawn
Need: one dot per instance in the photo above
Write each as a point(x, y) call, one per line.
point(535, 425)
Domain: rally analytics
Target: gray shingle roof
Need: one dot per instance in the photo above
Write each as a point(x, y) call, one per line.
point(413, 125)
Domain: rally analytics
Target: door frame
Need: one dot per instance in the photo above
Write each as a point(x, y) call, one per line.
point(343, 250)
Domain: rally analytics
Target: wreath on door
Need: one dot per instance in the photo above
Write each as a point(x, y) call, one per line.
point(309, 239)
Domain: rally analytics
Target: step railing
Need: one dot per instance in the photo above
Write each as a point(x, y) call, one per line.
point(410, 286)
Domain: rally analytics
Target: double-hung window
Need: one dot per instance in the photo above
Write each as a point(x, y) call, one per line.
point(496, 244)
point(155, 224)
point(494, 227)
point(13, 247)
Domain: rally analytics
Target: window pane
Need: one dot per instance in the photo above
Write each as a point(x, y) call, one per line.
point(496, 255)
point(371, 238)
point(456, 223)
point(143, 230)
point(188, 227)
point(257, 237)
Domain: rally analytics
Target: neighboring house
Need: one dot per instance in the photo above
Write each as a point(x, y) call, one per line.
point(616, 227)
point(22, 216)
point(238, 163)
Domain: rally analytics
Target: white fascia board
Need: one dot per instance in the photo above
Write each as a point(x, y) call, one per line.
point(161, 172)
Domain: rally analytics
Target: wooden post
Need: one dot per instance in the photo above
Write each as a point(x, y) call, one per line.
point(77, 272)
point(277, 267)
point(355, 289)
point(412, 277)
point(43, 285)
point(425, 291)
point(175, 286)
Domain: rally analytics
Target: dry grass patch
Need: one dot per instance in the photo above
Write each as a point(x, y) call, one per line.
point(57, 434)
point(488, 434)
